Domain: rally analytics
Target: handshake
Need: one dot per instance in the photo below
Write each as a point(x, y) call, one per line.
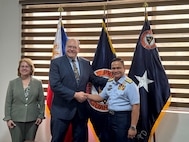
point(81, 96)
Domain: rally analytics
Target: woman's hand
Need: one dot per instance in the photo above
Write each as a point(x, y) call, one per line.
point(11, 124)
point(38, 121)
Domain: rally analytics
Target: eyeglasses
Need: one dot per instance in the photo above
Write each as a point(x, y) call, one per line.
point(25, 67)
point(70, 46)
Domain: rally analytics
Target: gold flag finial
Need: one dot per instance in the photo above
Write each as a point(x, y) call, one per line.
point(60, 9)
point(145, 4)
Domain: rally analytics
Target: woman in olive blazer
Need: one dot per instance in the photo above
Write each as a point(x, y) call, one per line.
point(24, 104)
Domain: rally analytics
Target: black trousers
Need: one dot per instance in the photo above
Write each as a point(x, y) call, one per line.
point(59, 129)
point(118, 126)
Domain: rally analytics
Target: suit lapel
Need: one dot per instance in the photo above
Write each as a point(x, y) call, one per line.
point(31, 88)
point(81, 69)
point(21, 89)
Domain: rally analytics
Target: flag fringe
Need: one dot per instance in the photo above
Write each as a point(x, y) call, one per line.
point(90, 125)
point(162, 113)
point(109, 40)
point(47, 110)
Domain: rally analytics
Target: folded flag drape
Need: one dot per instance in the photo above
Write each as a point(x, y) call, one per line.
point(59, 50)
point(101, 65)
point(148, 73)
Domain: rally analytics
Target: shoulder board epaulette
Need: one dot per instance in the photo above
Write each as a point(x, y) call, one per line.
point(110, 79)
point(128, 80)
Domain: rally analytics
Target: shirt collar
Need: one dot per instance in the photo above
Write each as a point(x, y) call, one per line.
point(120, 81)
point(70, 59)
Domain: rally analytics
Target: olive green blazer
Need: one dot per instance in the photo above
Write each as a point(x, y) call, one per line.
point(21, 109)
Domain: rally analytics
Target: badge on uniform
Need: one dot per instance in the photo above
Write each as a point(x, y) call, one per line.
point(109, 87)
point(121, 87)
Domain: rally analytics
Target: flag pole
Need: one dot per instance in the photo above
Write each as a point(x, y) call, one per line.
point(146, 18)
point(104, 8)
point(145, 13)
point(105, 17)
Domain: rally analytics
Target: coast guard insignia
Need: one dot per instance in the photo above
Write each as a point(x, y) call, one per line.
point(147, 40)
point(99, 106)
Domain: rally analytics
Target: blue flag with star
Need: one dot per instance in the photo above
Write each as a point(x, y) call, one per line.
point(148, 73)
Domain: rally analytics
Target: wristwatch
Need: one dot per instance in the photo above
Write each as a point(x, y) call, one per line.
point(133, 127)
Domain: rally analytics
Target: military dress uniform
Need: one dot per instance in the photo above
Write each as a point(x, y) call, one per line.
point(120, 96)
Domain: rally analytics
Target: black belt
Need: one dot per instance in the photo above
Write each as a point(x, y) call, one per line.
point(118, 112)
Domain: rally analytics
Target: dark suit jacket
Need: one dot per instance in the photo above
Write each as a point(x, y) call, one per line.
point(64, 86)
point(17, 108)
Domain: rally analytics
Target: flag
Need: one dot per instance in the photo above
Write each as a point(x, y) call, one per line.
point(104, 51)
point(59, 50)
point(148, 73)
point(101, 65)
